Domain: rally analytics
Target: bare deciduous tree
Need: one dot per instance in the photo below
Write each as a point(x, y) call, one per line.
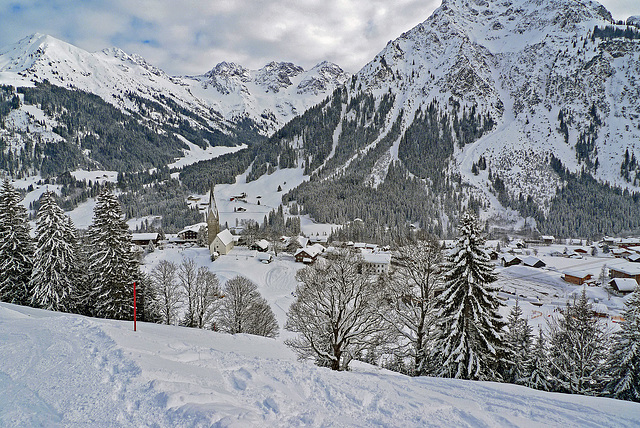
point(412, 294)
point(244, 310)
point(336, 311)
point(167, 291)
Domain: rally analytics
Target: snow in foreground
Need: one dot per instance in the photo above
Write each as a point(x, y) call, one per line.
point(61, 370)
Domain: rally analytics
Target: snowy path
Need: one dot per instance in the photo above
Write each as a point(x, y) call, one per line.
point(66, 370)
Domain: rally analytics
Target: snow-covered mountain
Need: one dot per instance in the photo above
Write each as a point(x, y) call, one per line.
point(523, 62)
point(228, 93)
point(271, 95)
point(521, 82)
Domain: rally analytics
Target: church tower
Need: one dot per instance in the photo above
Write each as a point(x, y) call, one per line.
point(213, 218)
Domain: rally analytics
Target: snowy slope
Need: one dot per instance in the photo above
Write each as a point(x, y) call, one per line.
point(521, 62)
point(271, 95)
point(228, 93)
point(62, 370)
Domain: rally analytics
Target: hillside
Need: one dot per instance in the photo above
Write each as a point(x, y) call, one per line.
point(60, 370)
point(477, 102)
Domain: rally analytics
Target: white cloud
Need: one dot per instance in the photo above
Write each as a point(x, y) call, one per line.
point(192, 36)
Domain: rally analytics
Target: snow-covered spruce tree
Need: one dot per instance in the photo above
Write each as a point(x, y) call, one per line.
point(336, 312)
point(244, 310)
point(470, 328)
point(578, 344)
point(538, 364)
point(518, 341)
point(53, 277)
point(168, 293)
point(113, 266)
point(624, 360)
point(411, 314)
point(16, 247)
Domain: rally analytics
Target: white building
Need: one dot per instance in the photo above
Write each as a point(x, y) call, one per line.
point(222, 243)
point(377, 263)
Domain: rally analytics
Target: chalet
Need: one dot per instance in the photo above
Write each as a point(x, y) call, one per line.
point(556, 254)
point(143, 239)
point(577, 277)
point(509, 260)
point(634, 258)
point(600, 310)
point(629, 242)
point(306, 255)
point(533, 262)
point(581, 251)
point(318, 247)
point(547, 239)
point(623, 285)
point(222, 243)
point(261, 245)
point(620, 252)
point(626, 270)
point(190, 233)
point(319, 239)
point(376, 263)
point(635, 249)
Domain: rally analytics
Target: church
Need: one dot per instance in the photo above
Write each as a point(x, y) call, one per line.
point(219, 242)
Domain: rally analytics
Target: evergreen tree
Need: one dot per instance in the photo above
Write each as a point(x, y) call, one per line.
point(469, 326)
point(518, 341)
point(624, 360)
point(539, 366)
point(16, 247)
point(578, 344)
point(112, 264)
point(53, 276)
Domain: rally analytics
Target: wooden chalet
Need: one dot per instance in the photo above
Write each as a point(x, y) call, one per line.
point(143, 239)
point(623, 285)
point(577, 277)
point(626, 270)
point(306, 255)
point(533, 262)
point(509, 260)
point(190, 233)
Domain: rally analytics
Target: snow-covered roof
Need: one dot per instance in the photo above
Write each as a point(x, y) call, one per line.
point(531, 261)
point(310, 251)
point(377, 258)
point(303, 241)
point(319, 247)
point(548, 238)
point(635, 248)
point(628, 268)
point(577, 273)
point(193, 228)
point(508, 258)
point(262, 243)
point(225, 237)
point(144, 236)
point(624, 284)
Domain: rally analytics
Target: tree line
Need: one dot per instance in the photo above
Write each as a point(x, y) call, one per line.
point(438, 315)
point(93, 274)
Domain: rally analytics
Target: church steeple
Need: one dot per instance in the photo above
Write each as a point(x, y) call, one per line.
point(213, 218)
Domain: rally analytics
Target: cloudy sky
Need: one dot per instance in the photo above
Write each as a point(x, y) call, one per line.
point(191, 36)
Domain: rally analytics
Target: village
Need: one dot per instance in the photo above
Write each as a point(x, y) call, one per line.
point(542, 274)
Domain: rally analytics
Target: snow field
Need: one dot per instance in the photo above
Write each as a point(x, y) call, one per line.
point(62, 370)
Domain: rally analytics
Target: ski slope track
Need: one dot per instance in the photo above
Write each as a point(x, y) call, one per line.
point(68, 370)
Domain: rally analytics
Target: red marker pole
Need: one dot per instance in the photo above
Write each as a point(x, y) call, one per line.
point(134, 306)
